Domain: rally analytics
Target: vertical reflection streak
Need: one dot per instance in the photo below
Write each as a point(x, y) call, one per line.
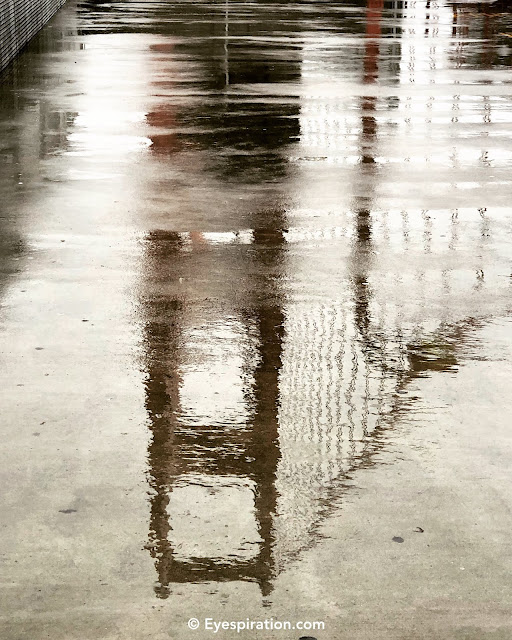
point(162, 389)
point(226, 43)
point(264, 447)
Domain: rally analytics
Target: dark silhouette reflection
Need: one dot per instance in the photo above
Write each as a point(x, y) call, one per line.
point(238, 139)
point(261, 407)
point(162, 405)
point(362, 249)
point(244, 139)
point(215, 453)
point(370, 76)
point(264, 450)
point(210, 460)
point(489, 22)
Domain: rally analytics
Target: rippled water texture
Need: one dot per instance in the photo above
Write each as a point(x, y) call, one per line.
point(242, 244)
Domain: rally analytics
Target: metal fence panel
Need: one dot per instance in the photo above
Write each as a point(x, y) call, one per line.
point(20, 20)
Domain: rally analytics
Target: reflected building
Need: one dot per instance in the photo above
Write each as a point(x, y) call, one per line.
point(215, 322)
point(485, 22)
point(240, 133)
point(252, 404)
point(269, 381)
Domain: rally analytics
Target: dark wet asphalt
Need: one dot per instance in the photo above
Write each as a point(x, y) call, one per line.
point(235, 236)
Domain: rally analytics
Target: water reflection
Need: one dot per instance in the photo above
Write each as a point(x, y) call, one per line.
point(31, 130)
point(259, 407)
point(298, 269)
point(212, 397)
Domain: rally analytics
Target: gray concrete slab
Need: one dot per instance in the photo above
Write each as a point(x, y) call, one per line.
point(255, 269)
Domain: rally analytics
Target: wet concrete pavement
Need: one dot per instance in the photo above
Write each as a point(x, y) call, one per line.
point(254, 321)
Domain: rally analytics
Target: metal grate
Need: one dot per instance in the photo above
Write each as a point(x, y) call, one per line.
point(20, 20)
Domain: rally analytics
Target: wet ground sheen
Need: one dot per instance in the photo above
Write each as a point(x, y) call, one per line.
point(256, 351)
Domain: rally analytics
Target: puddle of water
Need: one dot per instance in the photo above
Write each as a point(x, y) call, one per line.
point(278, 220)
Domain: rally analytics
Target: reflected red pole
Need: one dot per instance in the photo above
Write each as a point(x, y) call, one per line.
point(372, 35)
point(371, 72)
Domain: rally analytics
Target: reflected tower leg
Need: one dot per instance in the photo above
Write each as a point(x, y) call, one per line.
point(361, 257)
point(162, 400)
point(264, 446)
